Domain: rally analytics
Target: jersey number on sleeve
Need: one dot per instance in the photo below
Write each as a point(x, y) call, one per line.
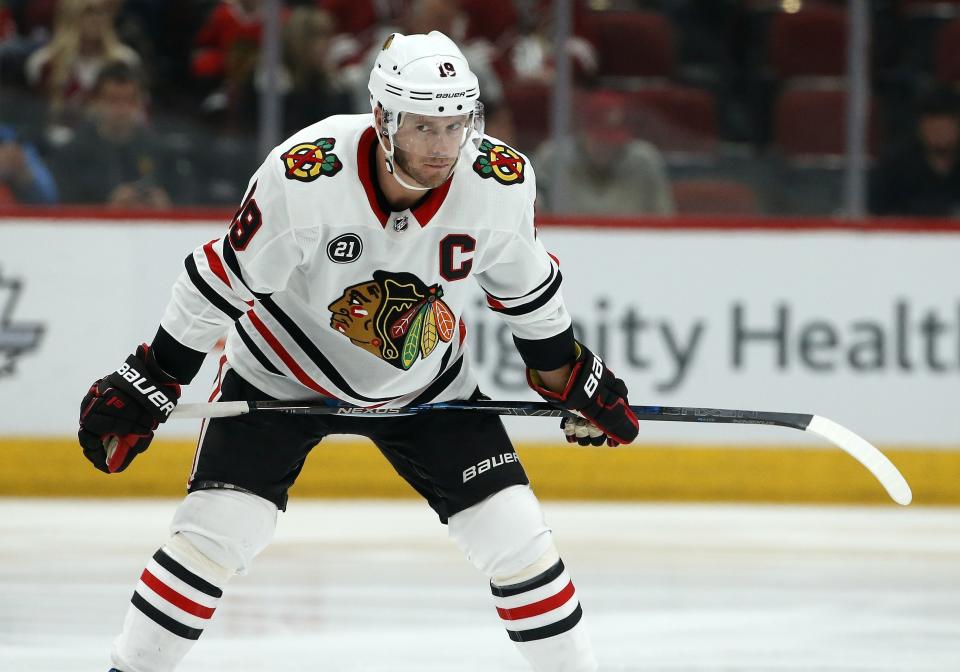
point(246, 222)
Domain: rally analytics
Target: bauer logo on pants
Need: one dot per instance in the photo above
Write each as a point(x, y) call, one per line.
point(307, 161)
point(16, 338)
point(394, 316)
point(486, 465)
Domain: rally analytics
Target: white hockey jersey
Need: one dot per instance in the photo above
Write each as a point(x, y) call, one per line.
point(322, 290)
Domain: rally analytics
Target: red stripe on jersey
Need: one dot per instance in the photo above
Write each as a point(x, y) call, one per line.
point(463, 332)
point(555, 260)
point(366, 174)
point(278, 348)
point(181, 602)
point(216, 391)
point(493, 303)
point(537, 608)
point(213, 261)
point(425, 211)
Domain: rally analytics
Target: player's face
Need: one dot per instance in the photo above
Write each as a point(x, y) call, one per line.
point(353, 313)
point(426, 147)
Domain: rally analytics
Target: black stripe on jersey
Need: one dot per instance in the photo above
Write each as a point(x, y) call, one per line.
point(175, 358)
point(441, 382)
point(547, 354)
point(538, 302)
point(208, 292)
point(553, 272)
point(257, 352)
point(163, 620)
point(230, 257)
point(530, 584)
point(186, 575)
point(551, 630)
point(313, 352)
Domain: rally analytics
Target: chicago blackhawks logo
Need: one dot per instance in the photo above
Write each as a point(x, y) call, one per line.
point(309, 160)
point(395, 316)
point(500, 162)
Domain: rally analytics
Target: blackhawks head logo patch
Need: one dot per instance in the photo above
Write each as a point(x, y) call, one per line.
point(394, 316)
point(309, 160)
point(500, 162)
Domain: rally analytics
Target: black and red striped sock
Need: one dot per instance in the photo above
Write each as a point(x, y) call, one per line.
point(543, 616)
point(171, 606)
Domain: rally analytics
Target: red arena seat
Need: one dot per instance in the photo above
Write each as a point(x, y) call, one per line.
point(633, 44)
point(808, 43)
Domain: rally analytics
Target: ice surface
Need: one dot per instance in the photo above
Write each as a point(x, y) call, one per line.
point(377, 587)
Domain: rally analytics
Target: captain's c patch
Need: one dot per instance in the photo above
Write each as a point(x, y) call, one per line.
point(307, 161)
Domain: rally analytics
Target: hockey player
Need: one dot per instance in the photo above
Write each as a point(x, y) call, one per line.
point(345, 274)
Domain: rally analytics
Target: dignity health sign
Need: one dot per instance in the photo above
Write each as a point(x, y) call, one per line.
point(860, 326)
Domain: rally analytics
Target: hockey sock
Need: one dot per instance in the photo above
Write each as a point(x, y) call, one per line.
point(176, 596)
point(542, 616)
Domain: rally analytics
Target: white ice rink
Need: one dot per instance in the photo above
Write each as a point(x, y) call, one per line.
point(376, 586)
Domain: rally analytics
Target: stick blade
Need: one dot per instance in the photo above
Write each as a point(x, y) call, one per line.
point(866, 454)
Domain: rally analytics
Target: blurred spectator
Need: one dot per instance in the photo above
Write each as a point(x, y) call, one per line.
point(423, 16)
point(310, 83)
point(360, 17)
point(114, 158)
point(227, 58)
point(24, 178)
point(228, 42)
point(529, 56)
point(83, 41)
point(498, 123)
point(923, 178)
point(607, 171)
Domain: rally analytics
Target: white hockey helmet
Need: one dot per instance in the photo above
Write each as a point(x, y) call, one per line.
point(424, 76)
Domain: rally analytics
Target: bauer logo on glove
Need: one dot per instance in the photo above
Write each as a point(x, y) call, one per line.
point(148, 390)
point(598, 396)
point(120, 411)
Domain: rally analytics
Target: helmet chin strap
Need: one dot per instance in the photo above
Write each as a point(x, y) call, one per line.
point(388, 159)
point(392, 169)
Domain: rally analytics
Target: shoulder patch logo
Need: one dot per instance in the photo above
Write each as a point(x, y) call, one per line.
point(309, 160)
point(500, 162)
point(394, 316)
point(345, 248)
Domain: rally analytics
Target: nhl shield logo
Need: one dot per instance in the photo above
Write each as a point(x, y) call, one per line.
point(502, 163)
point(309, 160)
point(394, 316)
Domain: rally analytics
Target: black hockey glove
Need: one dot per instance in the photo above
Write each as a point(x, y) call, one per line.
point(600, 397)
point(121, 410)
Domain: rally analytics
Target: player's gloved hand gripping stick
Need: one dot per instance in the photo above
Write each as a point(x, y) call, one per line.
point(120, 411)
point(596, 394)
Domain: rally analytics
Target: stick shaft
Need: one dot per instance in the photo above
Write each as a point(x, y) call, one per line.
point(855, 446)
point(516, 408)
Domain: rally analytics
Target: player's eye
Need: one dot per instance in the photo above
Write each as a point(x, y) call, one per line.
point(455, 127)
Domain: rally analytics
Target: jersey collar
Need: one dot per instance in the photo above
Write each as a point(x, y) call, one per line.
point(423, 210)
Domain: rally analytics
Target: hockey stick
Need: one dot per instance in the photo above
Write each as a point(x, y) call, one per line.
point(855, 446)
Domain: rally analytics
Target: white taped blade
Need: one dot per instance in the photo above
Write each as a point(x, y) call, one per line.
point(217, 409)
point(867, 455)
point(111, 447)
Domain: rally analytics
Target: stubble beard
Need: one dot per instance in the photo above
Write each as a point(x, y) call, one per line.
point(402, 160)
